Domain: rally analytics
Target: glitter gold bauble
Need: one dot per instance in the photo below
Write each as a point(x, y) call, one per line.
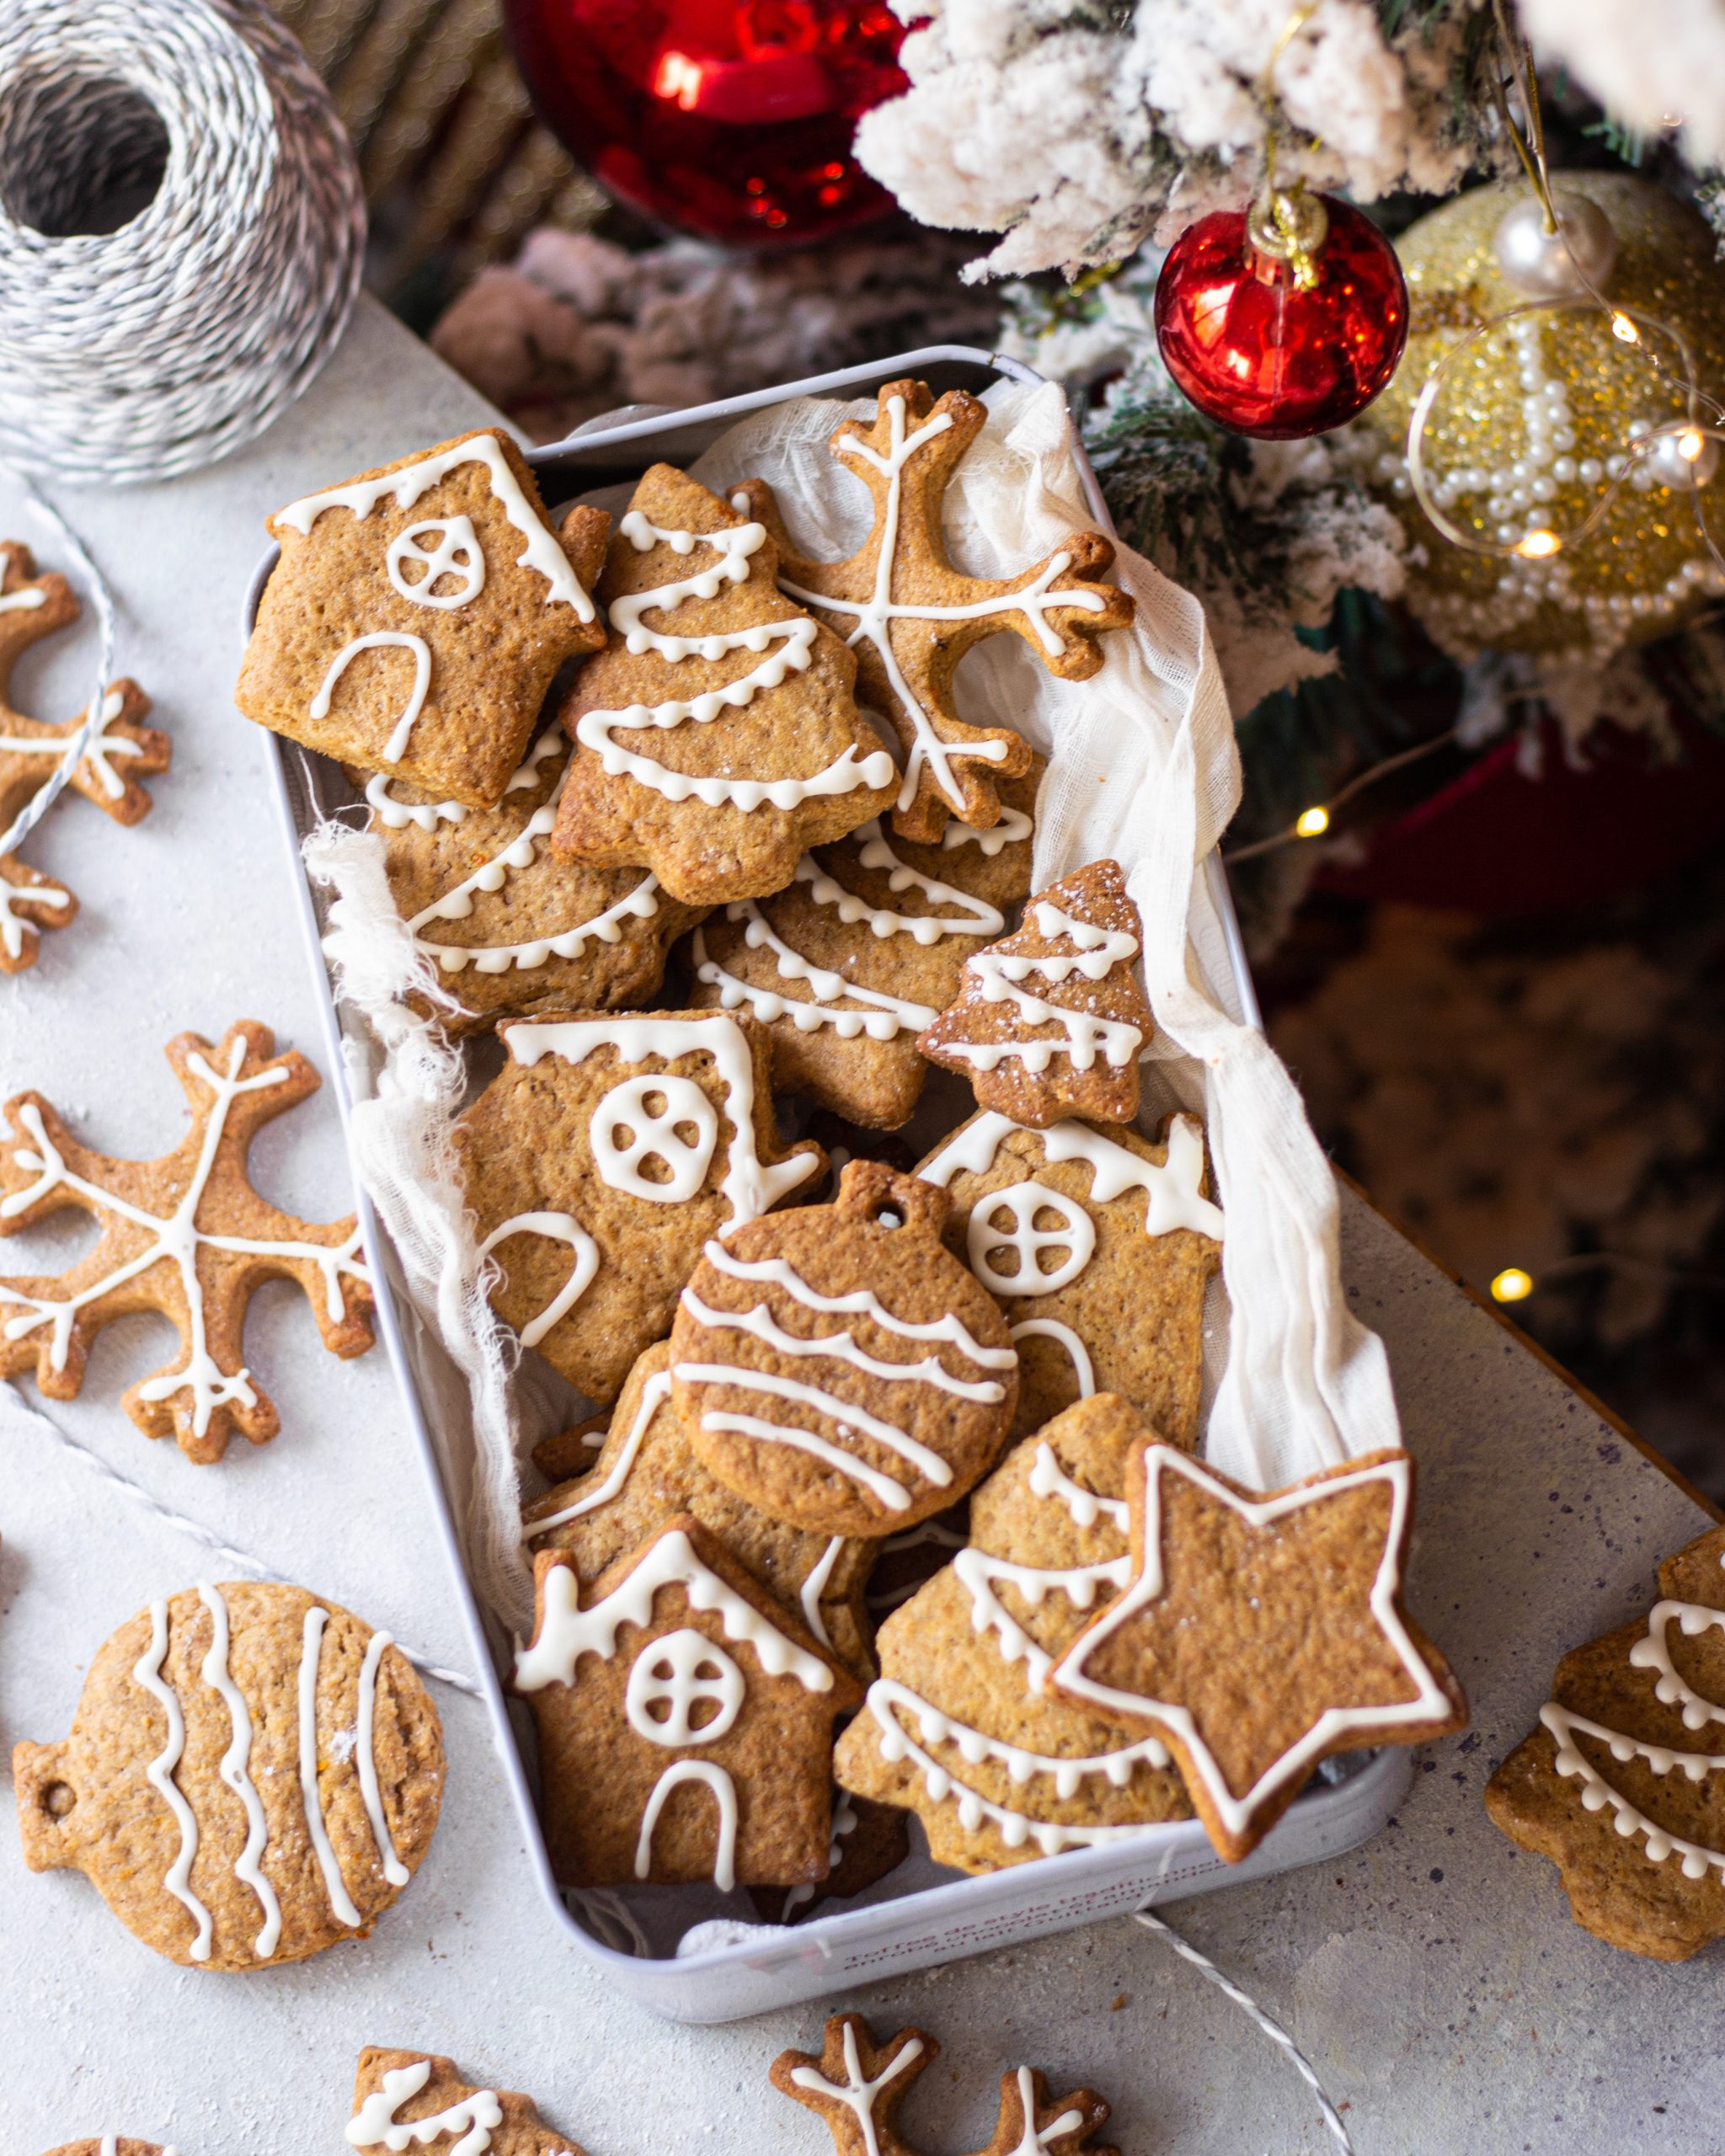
point(1528, 426)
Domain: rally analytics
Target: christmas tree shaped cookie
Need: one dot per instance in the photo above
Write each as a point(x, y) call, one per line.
point(717, 736)
point(1623, 1784)
point(186, 1235)
point(409, 2100)
point(848, 964)
point(910, 616)
point(1258, 1632)
point(1051, 1023)
point(119, 752)
point(961, 1726)
point(506, 928)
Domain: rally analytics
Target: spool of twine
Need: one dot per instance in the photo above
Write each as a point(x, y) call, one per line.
point(181, 232)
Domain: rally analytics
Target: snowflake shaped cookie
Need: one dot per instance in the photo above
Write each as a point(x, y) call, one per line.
point(120, 753)
point(909, 615)
point(186, 1235)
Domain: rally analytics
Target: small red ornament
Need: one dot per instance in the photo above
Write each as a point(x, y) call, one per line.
point(1255, 345)
point(730, 118)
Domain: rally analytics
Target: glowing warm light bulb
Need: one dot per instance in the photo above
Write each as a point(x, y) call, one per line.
point(1512, 1285)
point(1690, 445)
point(1624, 330)
point(1312, 823)
point(1538, 545)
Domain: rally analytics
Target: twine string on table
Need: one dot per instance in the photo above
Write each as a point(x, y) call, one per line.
point(241, 1559)
point(181, 232)
point(1249, 2006)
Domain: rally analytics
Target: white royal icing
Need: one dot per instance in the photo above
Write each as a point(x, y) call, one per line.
point(395, 748)
point(311, 1654)
point(1175, 1189)
point(858, 2094)
point(1014, 828)
point(816, 1586)
point(1096, 953)
point(375, 2124)
point(99, 751)
point(978, 1574)
point(886, 1694)
point(862, 1302)
point(567, 1631)
point(1050, 1328)
point(977, 916)
point(1038, 2141)
point(544, 551)
point(626, 1132)
point(761, 1324)
point(1048, 1479)
point(682, 1672)
point(875, 615)
point(13, 927)
point(725, 1791)
point(1430, 1702)
point(175, 1236)
point(366, 1757)
point(146, 1671)
point(750, 1187)
point(845, 1821)
point(1022, 1202)
point(457, 554)
point(235, 1772)
point(794, 638)
point(653, 1394)
point(25, 601)
point(850, 1419)
point(885, 1018)
point(563, 1228)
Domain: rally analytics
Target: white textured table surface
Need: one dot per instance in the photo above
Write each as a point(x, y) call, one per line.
point(1432, 1976)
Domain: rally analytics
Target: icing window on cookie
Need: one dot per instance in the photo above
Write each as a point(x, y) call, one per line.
point(794, 638)
point(395, 748)
point(724, 1792)
point(455, 556)
point(1026, 1232)
point(858, 2093)
point(375, 2125)
point(875, 615)
point(175, 1238)
point(1083, 1369)
point(1175, 1188)
point(543, 551)
point(666, 1120)
point(562, 1227)
point(653, 1394)
point(682, 1690)
point(884, 1019)
point(749, 1185)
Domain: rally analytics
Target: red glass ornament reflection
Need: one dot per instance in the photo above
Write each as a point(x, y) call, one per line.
point(1261, 357)
point(730, 118)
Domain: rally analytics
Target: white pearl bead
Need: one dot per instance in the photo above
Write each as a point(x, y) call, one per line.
point(1590, 470)
point(1563, 470)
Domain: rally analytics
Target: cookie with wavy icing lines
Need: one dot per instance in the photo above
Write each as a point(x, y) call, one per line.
point(417, 616)
point(716, 735)
point(411, 2099)
point(909, 615)
point(685, 1720)
point(186, 1235)
point(1622, 1785)
point(860, 952)
point(253, 1774)
point(646, 1472)
point(1256, 1632)
point(839, 1368)
point(857, 2087)
point(961, 1726)
point(1099, 1246)
point(1051, 1023)
point(602, 1157)
point(507, 929)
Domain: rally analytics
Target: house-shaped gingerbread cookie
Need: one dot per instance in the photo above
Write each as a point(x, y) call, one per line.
point(685, 1720)
point(418, 614)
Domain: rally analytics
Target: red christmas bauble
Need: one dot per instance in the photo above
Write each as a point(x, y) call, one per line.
point(730, 118)
point(1257, 354)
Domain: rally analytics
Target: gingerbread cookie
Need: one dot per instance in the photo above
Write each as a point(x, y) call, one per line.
point(186, 1235)
point(1051, 1023)
point(685, 1720)
point(602, 1158)
point(1622, 1785)
point(418, 614)
point(113, 2144)
point(961, 1726)
point(837, 1368)
point(253, 1774)
point(869, 1841)
point(856, 2086)
point(1259, 1632)
point(646, 1473)
point(120, 753)
point(862, 952)
point(1099, 1246)
point(910, 616)
point(408, 2099)
point(506, 928)
point(715, 777)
